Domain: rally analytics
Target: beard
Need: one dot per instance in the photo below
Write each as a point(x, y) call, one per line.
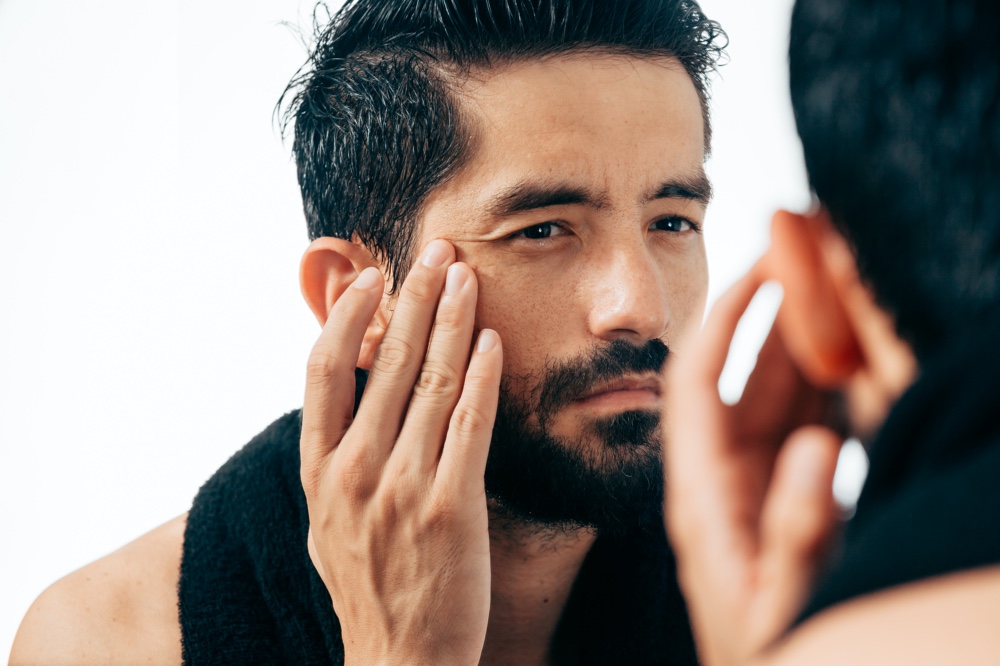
point(608, 476)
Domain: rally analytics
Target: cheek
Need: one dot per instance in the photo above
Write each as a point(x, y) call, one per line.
point(528, 310)
point(687, 292)
point(539, 312)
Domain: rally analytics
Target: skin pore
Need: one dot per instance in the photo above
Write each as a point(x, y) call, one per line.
point(579, 211)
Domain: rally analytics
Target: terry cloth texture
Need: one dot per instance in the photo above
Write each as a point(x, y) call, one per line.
point(249, 594)
point(931, 502)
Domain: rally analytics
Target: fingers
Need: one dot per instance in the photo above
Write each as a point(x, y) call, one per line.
point(401, 352)
point(470, 430)
point(775, 380)
point(417, 402)
point(707, 352)
point(707, 481)
point(713, 482)
point(442, 375)
point(329, 399)
point(797, 520)
point(747, 528)
point(697, 442)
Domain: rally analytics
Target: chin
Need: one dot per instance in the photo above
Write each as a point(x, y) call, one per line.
point(609, 476)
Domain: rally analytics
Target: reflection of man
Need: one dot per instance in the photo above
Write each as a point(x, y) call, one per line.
point(555, 152)
point(891, 295)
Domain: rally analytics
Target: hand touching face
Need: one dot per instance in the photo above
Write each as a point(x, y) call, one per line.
point(397, 508)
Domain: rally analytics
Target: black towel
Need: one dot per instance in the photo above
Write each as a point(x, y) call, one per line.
point(931, 502)
point(249, 594)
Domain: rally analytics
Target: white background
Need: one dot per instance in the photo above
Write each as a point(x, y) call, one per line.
point(150, 233)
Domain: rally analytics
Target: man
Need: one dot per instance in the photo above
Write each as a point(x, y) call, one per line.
point(891, 295)
point(531, 171)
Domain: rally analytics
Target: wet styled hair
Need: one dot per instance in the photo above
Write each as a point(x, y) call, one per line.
point(376, 125)
point(898, 107)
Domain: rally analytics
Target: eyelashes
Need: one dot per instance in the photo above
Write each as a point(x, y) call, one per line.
point(540, 231)
point(679, 220)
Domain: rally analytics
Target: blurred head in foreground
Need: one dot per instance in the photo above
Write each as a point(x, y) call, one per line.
point(898, 108)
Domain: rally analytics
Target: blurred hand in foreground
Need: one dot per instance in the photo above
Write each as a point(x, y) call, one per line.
point(749, 505)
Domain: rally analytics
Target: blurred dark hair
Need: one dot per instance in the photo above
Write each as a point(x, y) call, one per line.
point(898, 107)
point(376, 128)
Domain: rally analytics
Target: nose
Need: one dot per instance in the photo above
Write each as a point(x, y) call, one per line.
point(629, 297)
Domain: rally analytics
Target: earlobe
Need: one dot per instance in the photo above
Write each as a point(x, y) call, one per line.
point(328, 268)
point(813, 320)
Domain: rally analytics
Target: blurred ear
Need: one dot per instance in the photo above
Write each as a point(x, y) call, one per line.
point(814, 319)
point(329, 266)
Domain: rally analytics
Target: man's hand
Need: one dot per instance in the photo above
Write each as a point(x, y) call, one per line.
point(397, 508)
point(749, 505)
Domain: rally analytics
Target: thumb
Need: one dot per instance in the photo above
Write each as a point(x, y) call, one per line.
point(797, 522)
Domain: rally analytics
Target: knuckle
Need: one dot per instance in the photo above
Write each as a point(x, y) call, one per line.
point(442, 510)
point(310, 478)
point(391, 354)
point(449, 315)
point(470, 419)
point(436, 379)
point(478, 376)
point(322, 365)
point(400, 499)
point(386, 507)
point(352, 477)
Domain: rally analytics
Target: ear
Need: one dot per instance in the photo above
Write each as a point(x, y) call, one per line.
point(328, 268)
point(813, 319)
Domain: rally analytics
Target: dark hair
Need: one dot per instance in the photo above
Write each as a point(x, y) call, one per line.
point(898, 107)
point(376, 128)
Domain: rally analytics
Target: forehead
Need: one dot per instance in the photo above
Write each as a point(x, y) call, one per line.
point(613, 124)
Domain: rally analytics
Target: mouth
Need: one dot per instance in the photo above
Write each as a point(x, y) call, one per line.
point(623, 393)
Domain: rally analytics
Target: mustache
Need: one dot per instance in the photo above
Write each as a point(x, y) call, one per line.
point(566, 381)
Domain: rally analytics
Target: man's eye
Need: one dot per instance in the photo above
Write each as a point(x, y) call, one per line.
point(675, 225)
point(539, 231)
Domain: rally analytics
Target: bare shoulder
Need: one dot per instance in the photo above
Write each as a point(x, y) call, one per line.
point(119, 609)
point(949, 619)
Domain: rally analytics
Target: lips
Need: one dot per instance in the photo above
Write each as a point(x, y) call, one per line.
point(623, 384)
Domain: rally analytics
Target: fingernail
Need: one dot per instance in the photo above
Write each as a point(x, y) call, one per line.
point(488, 339)
point(368, 279)
point(456, 278)
point(435, 254)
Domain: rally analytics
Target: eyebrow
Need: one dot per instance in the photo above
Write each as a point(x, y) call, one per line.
point(697, 188)
point(527, 196)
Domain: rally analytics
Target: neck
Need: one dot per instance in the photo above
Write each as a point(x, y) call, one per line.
point(533, 570)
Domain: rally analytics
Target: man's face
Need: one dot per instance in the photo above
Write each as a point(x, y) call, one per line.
point(580, 211)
